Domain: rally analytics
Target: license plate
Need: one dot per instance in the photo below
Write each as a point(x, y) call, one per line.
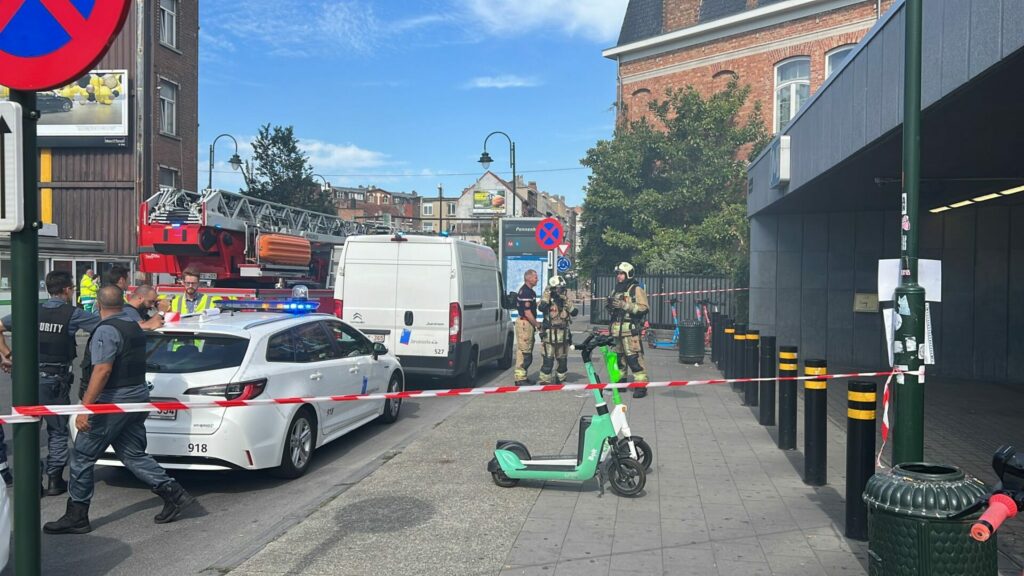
point(164, 415)
point(378, 337)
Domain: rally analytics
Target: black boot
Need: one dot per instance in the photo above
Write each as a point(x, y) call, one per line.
point(56, 485)
point(176, 499)
point(74, 521)
point(639, 392)
point(6, 475)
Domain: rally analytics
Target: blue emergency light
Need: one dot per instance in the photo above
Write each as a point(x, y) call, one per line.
point(289, 306)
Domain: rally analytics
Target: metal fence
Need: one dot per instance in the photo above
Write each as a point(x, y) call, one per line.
point(661, 287)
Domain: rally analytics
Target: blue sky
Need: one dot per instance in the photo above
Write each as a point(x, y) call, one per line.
point(400, 94)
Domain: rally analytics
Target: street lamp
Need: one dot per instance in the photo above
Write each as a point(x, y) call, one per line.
point(235, 162)
point(485, 161)
point(326, 183)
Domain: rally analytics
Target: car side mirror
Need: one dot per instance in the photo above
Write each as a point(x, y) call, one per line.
point(379, 350)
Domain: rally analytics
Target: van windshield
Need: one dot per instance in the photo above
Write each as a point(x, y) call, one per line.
point(188, 353)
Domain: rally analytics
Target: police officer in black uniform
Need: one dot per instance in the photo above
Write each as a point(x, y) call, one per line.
point(117, 374)
point(59, 320)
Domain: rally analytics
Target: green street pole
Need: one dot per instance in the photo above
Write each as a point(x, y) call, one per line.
point(908, 429)
point(25, 311)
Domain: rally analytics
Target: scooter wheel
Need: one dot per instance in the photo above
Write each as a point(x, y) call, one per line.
point(504, 481)
point(627, 477)
point(644, 453)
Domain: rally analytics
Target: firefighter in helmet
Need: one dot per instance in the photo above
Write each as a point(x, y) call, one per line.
point(628, 308)
point(555, 335)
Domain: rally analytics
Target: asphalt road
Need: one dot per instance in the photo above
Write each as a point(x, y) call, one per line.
point(238, 512)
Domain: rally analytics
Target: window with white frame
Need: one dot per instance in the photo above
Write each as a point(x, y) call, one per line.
point(169, 22)
point(428, 226)
point(792, 88)
point(428, 209)
point(168, 107)
point(835, 57)
point(451, 209)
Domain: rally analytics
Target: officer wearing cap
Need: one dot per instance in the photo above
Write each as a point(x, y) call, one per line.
point(555, 335)
point(628, 308)
point(59, 321)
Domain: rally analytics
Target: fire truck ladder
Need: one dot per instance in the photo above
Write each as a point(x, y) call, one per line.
point(233, 211)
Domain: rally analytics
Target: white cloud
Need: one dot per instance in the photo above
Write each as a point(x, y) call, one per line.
point(294, 28)
point(327, 157)
point(598, 20)
point(502, 81)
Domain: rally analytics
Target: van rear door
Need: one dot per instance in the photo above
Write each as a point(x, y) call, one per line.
point(370, 284)
point(423, 298)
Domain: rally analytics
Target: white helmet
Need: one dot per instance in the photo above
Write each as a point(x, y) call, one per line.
point(556, 282)
point(627, 269)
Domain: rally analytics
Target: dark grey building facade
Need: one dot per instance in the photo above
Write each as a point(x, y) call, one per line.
point(816, 241)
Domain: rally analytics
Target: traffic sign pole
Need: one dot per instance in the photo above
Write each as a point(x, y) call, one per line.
point(25, 315)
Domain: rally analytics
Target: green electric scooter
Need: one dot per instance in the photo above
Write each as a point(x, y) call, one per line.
point(599, 452)
point(635, 446)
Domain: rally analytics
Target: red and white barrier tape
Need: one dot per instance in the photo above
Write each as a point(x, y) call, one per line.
point(23, 414)
point(686, 292)
point(898, 372)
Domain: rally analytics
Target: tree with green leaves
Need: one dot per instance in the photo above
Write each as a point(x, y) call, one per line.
point(490, 237)
point(670, 194)
point(280, 172)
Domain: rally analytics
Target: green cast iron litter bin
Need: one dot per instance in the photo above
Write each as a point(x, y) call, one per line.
point(913, 523)
point(691, 342)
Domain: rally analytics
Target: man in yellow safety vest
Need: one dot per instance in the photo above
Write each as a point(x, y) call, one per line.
point(192, 301)
point(87, 291)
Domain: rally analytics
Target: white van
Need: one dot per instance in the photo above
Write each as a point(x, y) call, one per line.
point(435, 302)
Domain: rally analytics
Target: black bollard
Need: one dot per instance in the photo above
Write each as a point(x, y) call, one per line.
point(736, 363)
point(750, 354)
point(766, 389)
point(724, 342)
point(815, 424)
point(716, 320)
point(860, 454)
point(788, 367)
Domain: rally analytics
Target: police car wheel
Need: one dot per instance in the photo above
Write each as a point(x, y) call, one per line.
point(392, 407)
point(299, 441)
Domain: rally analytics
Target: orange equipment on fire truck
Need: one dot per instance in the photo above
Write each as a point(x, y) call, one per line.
point(237, 241)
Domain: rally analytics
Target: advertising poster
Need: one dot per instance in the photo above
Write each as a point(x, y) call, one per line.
point(91, 111)
point(488, 201)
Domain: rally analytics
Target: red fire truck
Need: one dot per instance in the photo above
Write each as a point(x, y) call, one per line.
point(244, 247)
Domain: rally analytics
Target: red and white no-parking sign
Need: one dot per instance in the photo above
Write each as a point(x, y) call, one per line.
point(48, 43)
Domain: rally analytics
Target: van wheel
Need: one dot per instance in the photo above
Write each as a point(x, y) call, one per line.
point(468, 378)
point(299, 443)
point(506, 359)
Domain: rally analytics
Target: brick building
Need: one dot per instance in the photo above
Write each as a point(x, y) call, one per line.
point(126, 128)
point(372, 204)
point(782, 49)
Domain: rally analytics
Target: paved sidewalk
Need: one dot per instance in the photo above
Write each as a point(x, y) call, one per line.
point(722, 499)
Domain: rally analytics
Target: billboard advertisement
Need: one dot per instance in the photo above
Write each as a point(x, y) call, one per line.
point(489, 202)
point(91, 111)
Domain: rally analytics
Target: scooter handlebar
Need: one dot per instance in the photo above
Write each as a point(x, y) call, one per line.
point(1000, 507)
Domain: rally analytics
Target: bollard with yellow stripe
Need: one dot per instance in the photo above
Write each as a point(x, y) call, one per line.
point(862, 398)
point(736, 363)
point(789, 366)
point(726, 344)
point(815, 424)
point(751, 350)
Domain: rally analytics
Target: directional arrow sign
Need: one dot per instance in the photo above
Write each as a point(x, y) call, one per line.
point(563, 248)
point(12, 191)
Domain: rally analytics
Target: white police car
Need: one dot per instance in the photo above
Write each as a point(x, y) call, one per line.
point(240, 354)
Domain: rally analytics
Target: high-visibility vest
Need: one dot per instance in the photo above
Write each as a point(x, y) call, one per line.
point(86, 288)
point(205, 301)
